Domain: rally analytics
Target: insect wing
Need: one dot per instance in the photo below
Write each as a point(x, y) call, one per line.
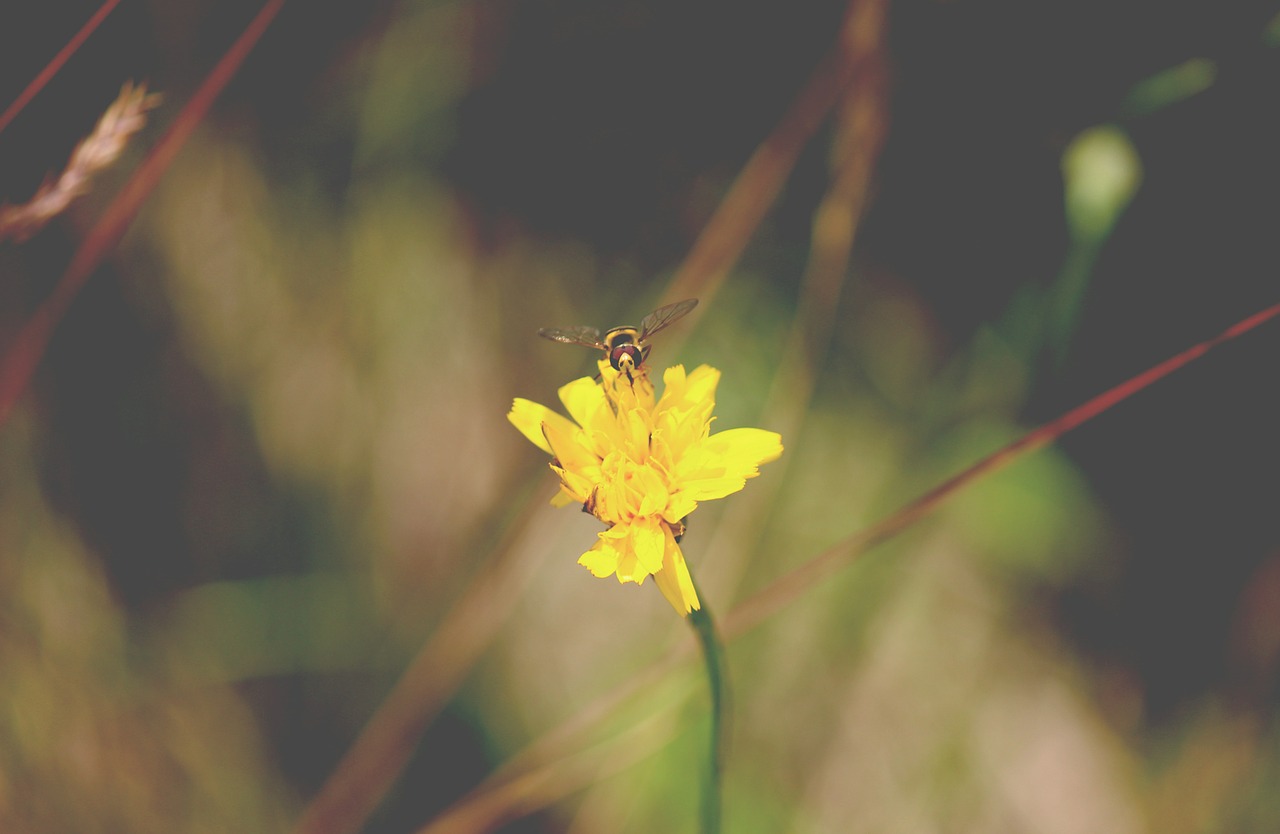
point(663, 317)
point(578, 335)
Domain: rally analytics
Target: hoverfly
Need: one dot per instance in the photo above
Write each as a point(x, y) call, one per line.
point(627, 347)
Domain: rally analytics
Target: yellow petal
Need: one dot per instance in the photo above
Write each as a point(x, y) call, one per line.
point(564, 498)
point(627, 566)
point(678, 506)
point(674, 580)
point(702, 384)
point(618, 541)
point(601, 560)
point(633, 434)
point(648, 544)
point(653, 491)
point(576, 486)
point(673, 380)
point(709, 489)
point(689, 394)
point(583, 399)
point(528, 417)
point(567, 442)
point(722, 463)
point(746, 447)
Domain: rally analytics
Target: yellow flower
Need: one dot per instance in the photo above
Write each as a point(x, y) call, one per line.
point(641, 467)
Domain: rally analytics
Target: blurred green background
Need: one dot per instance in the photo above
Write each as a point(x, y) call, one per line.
point(265, 459)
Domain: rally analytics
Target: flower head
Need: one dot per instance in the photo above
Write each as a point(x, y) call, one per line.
point(641, 466)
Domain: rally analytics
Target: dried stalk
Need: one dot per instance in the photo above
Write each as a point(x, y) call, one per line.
point(125, 117)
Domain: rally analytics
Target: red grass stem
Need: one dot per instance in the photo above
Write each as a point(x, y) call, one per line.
point(788, 587)
point(37, 83)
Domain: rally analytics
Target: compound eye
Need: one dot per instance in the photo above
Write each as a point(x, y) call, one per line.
point(616, 356)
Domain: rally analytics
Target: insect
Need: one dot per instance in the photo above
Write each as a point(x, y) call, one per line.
point(627, 347)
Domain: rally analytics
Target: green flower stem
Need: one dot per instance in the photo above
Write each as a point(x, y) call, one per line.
point(718, 681)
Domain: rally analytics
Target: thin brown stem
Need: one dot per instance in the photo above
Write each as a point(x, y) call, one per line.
point(757, 186)
point(369, 768)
